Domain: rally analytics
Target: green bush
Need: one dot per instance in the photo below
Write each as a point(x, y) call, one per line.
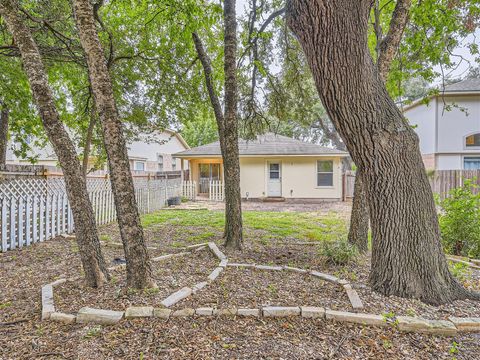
point(338, 252)
point(460, 221)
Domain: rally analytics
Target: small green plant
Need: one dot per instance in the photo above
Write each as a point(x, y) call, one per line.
point(460, 220)
point(131, 291)
point(387, 344)
point(454, 348)
point(272, 288)
point(460, 271)
point(93, 332)
point(5, 305)
point(152, 291)
point(339, 252)
point(411, 312)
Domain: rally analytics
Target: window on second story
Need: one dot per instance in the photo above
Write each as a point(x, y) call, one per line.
point(472, 140)
point(160, 162)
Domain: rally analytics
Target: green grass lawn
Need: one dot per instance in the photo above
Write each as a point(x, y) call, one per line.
point(201, 225)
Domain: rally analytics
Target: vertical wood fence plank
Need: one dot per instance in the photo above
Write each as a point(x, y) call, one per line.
point(35, 219)
point(20, 222)
point(4, 225)
point(28, 209)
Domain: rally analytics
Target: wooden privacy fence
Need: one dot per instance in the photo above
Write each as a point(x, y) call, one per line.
point(189, 190)
point(442, 181)
point(36, 209)
point(216, 190)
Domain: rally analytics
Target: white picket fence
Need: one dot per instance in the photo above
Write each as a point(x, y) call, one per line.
point(189, 190)
point(37, 209)
point(216, 191)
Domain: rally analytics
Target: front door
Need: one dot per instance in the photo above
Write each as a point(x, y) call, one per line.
point(274, 179)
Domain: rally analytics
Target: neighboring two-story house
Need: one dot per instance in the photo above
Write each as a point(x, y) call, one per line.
point(148, 153)
point(449, 127)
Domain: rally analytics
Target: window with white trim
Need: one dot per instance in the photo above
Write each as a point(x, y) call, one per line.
point(471, 163)
point(160, 162)
point(472, 140)
point(324, 173)
point(139, 166)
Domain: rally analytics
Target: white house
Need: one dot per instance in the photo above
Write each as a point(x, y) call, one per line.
point(148, 153)
point(272, 166)
point(449, 127)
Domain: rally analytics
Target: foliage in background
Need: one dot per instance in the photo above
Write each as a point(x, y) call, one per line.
point(338, 252)
point(460, 220)
point(200, 130)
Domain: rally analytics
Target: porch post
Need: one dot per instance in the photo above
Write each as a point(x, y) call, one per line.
point(181, 170)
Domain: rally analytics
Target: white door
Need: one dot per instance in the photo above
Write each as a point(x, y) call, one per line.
point(274, 179)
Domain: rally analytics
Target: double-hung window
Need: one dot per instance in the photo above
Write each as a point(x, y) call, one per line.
point(324, 173)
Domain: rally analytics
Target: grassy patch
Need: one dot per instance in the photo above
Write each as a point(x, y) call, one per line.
point(203, 225)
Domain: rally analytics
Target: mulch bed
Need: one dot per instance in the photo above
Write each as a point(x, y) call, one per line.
point(170, 276)
point(252, 288)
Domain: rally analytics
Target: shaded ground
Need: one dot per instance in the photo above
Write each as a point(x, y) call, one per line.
point(269, 239)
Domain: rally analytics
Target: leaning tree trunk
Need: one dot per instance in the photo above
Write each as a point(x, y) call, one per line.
point(359, 219)
point(3, 134)
point(85, 227)
point(407, 256)
point(139, 272)
point(231, 161)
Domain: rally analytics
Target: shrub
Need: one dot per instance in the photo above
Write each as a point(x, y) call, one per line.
point(460, 221)
point(338, 252)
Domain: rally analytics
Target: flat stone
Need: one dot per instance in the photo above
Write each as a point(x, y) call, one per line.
point(343, 282)
point(223, 263)
point(204, 311)
point(294, 269)
point(176, 297)
point(225, 311)
point(216, 251)
point(353, 297)
point(196, 246)
point(420, 325)
point(248, 312)
point(48, 306)
point(183, 312)
point(199, 286)
point(466, 324)
point(99, 316)
point(241, 265)
point(168, 256)
point(280, 311)
point(214, 274)
point(356, 318)
point(162, 313)
point(312, 312)
point(200, 248)
point(62, 317)
point(326, 277)
point(138, 312)
point(268, 267)
point(58, 282)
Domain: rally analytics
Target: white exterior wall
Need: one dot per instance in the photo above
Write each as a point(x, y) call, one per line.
point(455, 124)
point(423, 118)
point(449, 162)
point(298, 175)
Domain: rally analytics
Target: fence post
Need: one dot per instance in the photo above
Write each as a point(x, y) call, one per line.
point(13, 217)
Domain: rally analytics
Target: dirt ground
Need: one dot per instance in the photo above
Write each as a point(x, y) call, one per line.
point(24, 336)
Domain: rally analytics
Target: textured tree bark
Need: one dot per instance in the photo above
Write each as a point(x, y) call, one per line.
point(231, 161)
point(227, 125)
point(139, 273)
point(359, 218)
point(88, 141)
point(407, 256)
point(85, 227)
point(3, 133)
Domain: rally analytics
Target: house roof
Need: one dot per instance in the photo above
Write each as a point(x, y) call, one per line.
point(466, 85)
point(179, 137)
point(266, 145)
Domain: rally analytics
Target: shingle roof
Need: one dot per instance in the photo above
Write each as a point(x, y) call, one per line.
point(267, 144)
point(467, 85)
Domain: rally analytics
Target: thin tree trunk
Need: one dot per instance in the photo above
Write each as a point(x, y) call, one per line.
point(139, 272)
point(85, 227)
point(88, 141)
point(231, 161)
point(359, 218)
point(4, 112)
point(227, 125)
point(407, 256)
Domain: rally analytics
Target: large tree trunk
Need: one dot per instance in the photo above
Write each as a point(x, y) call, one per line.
point(85, 227)
point(3, 133)
point(407, 256)
point(139, 272)
point(359, 218)
point(231, 161)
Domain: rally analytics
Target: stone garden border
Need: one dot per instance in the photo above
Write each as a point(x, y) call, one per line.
point(449, 327)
